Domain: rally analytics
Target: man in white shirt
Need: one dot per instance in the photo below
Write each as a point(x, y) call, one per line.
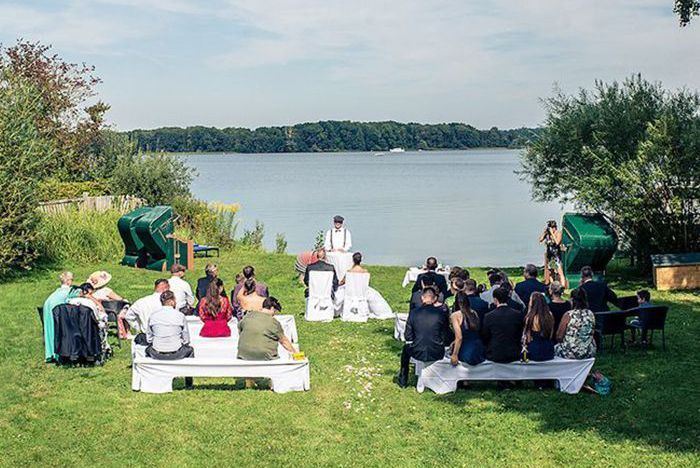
point(138, 314)
point(338, 239)
point(184, 299)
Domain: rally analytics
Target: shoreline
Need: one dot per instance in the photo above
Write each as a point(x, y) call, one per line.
point(340, 152)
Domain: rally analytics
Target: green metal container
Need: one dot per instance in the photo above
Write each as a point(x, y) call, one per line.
point(590, 241)
point(133, 247)
point(154, 228)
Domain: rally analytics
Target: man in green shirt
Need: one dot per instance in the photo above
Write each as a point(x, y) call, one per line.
point(260, 333)
point(58, 297)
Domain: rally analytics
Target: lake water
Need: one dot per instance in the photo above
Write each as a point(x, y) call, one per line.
point(465, 207)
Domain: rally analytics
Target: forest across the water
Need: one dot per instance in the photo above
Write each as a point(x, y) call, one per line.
point(330, 136)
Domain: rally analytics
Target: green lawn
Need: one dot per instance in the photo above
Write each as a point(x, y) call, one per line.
point(354, 414)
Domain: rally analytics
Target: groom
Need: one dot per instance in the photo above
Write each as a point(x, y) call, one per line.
point(338, 239)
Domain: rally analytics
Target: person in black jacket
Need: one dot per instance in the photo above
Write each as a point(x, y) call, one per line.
point(431, 277)
point(211, 272)
point(597, 292)
point(524, 289)
point(477, 304)
point(320, 265)
point(427, 334)
point(502, 330)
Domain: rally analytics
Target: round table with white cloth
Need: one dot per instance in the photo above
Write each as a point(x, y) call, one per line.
point(341, 261)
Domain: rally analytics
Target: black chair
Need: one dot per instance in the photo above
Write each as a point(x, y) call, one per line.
point(627, 302)
point(650, 319)
point(611, 324)
point(112, 309)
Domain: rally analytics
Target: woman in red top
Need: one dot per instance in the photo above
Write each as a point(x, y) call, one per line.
point(215, 311)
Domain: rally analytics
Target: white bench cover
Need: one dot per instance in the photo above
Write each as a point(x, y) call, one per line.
point(441, 377)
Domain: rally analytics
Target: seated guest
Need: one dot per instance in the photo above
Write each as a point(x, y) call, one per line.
point(576, 330)
point(167, 335)
point(260, 288)
point(531, 284)
point(467, 347)
point(644, 301)
point(86, 299)
point(431, 277)
point(376, 303)
point(512, 302)
point(538, 334)
point(477, 304)
point(60, 296)
point(248, 297)
point(304, 259)
point(215, 312)
point(457, 285)
point(211, 272)
point(260, 333)
point(320, 265)
point(597, 292)
point(99, 280)
point(557, 306)
point(502, 330)
point(183, 291)
point(138, 314)
point(427, 334)
point(496, 280)
point(458, 272)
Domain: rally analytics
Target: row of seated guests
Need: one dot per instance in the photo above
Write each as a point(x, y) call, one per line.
point(504, 334)
point(248, 293)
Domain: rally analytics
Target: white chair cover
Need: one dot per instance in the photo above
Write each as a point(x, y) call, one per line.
point(319, 304)
point(355, 305)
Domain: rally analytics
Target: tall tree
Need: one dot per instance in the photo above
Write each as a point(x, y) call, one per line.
point(630, 152)
point(686, 9)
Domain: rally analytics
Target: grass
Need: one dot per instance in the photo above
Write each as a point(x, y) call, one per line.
point(354, 414)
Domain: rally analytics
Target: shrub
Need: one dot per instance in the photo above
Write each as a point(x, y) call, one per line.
point(53, 189)
point(253, 238)
point(79, 236)
point(213, 223)
point(157, 178)
point(24, 154)
point(280, 243)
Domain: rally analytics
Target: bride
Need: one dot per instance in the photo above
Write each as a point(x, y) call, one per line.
point(378, 306)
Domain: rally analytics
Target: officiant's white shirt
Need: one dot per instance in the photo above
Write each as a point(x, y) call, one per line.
point(338, 239)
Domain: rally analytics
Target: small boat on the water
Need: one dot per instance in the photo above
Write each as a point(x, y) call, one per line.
point(380, 154)
point(397, 150)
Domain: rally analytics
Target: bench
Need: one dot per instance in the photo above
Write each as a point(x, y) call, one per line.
point(203, 250)
point(154, 376)
point(441, 377)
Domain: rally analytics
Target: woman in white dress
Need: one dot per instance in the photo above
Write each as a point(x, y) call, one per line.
point(378, 306)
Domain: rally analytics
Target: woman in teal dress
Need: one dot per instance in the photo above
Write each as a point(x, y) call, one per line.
point(60, 296)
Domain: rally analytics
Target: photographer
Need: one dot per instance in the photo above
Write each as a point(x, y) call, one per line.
point(552, 237)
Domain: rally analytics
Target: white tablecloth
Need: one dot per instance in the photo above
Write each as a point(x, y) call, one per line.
point(400, 326)
point(441, 377)
point(341, 261)
point(413, 272)
point(152, 376)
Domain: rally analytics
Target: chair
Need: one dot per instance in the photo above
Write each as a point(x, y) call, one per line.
point(319, 304)
point(611, 324)
point(650, 319)
point(627, 302)
point(112, 308)
point(41, 316)
point(355, 305)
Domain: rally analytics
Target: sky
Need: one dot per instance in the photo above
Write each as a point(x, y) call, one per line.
point(251, 63)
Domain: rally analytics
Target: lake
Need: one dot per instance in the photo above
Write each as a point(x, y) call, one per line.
point(465, 207)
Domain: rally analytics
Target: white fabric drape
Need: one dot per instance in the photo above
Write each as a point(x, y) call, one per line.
point(341, 261)
point(319, 305)
point(441, 377)
point(400, 326)
point(355, 304)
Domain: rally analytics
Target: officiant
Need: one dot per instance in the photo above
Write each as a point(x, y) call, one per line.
point(337, 243)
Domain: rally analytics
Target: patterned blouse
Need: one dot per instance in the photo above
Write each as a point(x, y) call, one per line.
point(578, 340)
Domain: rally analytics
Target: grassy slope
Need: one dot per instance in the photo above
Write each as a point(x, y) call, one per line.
point(61, 416)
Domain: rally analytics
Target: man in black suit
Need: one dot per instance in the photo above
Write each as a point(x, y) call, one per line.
point(597, 292)
point(427, 334)
point(431, 277)
point(502, 330)
point(524, 289)
point(478, 305)
point(320, 265)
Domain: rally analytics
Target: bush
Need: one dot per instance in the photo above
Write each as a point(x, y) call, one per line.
point(254, 238)
point(157, 178)
point(213, 223)
point(79, 236)
point(24, 154)
point(280, 243)
point(53, 189)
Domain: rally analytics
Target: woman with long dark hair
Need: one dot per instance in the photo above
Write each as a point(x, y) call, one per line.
point(467, 347)
point(215, 311)
point(538, 333)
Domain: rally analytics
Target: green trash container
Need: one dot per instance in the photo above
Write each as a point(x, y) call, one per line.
point(590, 241)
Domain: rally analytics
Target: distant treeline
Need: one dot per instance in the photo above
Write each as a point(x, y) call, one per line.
point(329, 136)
